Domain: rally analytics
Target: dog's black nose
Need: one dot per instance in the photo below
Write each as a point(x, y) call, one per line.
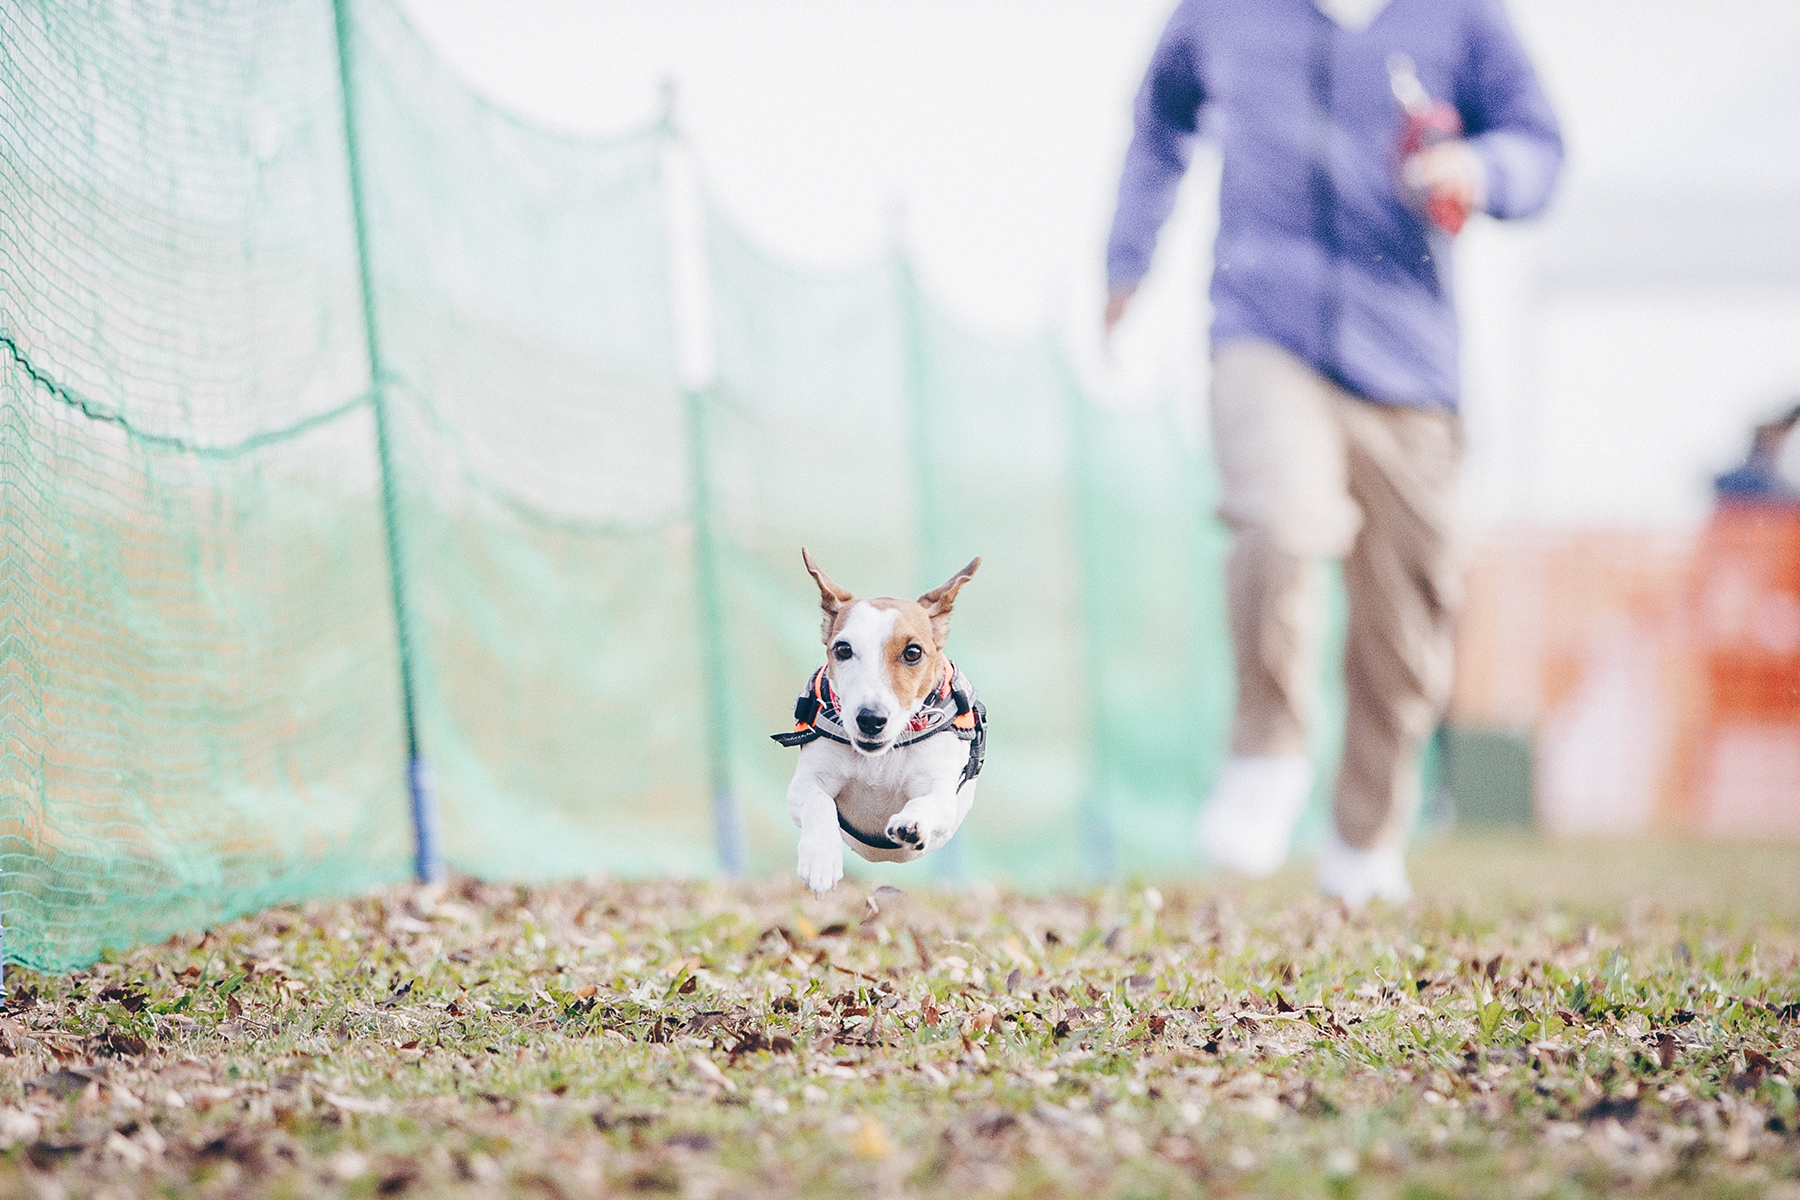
point(870, 723)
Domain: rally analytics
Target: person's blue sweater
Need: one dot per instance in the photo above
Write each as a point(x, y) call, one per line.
point(1316, 251)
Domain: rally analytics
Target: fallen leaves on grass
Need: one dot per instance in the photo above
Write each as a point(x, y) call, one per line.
point(671, 1036)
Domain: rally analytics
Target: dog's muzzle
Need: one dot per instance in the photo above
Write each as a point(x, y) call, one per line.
point(871, 725)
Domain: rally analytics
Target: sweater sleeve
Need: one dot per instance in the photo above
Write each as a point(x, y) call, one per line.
point(1509, 120)
point(1166, 119)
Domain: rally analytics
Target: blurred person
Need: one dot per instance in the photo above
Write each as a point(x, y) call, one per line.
point(1766, 474)
point(1346, 128)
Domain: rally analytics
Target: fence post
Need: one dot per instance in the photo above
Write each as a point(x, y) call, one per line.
point(728, 822)
point(689, 297)
point(951, 862)
point(918, 399)
point(428, 858)
point(1099, 846)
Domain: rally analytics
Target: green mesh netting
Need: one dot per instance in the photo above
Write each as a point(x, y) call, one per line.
point(524, 324)
point(209, 306)
point(197, 685)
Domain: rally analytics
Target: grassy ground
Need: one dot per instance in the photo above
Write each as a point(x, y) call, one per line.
point(1543, 1021)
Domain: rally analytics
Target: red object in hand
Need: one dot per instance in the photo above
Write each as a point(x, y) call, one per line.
point(1428, 123)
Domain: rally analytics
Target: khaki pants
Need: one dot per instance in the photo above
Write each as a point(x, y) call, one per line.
point(1312, 472)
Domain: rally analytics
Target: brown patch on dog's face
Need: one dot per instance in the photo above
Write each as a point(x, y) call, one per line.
point(913, 659)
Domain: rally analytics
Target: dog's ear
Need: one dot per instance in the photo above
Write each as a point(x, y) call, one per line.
point(832, 598)
point(938, 602)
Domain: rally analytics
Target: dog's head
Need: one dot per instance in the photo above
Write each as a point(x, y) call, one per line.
point(884, 655)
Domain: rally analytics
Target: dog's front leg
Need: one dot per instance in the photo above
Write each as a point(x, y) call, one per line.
point(812, 804)
point(938, 799)
point(821, 849)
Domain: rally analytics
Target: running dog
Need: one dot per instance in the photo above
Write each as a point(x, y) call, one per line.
point(891, 733)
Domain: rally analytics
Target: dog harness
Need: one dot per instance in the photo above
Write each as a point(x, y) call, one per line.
point(953, 708)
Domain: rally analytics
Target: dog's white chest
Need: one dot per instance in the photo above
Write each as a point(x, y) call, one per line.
point(874, 794)
point(877, 788)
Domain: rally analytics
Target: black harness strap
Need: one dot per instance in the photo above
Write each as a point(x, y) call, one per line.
point(977, 744)
point(876, 841)
point(813, 704)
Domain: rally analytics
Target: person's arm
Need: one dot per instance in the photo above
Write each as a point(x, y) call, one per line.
point(1166, 118)
point(1511, 128)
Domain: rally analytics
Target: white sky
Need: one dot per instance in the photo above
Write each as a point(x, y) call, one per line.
point(998, 127)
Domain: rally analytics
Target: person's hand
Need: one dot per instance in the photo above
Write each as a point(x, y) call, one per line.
point(1448, 170)
point(1117, 300)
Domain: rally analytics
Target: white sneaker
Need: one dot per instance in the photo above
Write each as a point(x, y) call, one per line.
point(1359, 876)
point(1248, 818)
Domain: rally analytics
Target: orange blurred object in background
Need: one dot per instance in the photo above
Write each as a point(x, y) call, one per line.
point(1655, 677)
point(1747, 630)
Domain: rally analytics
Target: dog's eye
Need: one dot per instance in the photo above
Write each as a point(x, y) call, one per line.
point(913, 652)
point(842, 651)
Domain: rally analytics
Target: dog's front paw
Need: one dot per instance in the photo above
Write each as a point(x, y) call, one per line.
point(913, 833)
point(821, 866)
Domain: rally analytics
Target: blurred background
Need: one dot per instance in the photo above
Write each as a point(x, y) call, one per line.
point(1618, 351)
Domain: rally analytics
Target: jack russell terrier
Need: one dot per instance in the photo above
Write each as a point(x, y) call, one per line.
point(892, 735)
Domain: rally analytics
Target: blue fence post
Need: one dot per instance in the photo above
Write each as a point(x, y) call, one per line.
point(428, 856)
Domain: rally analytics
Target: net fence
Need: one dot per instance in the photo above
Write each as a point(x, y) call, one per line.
point(331, 394)
point(197, 697)
point(540, 456)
